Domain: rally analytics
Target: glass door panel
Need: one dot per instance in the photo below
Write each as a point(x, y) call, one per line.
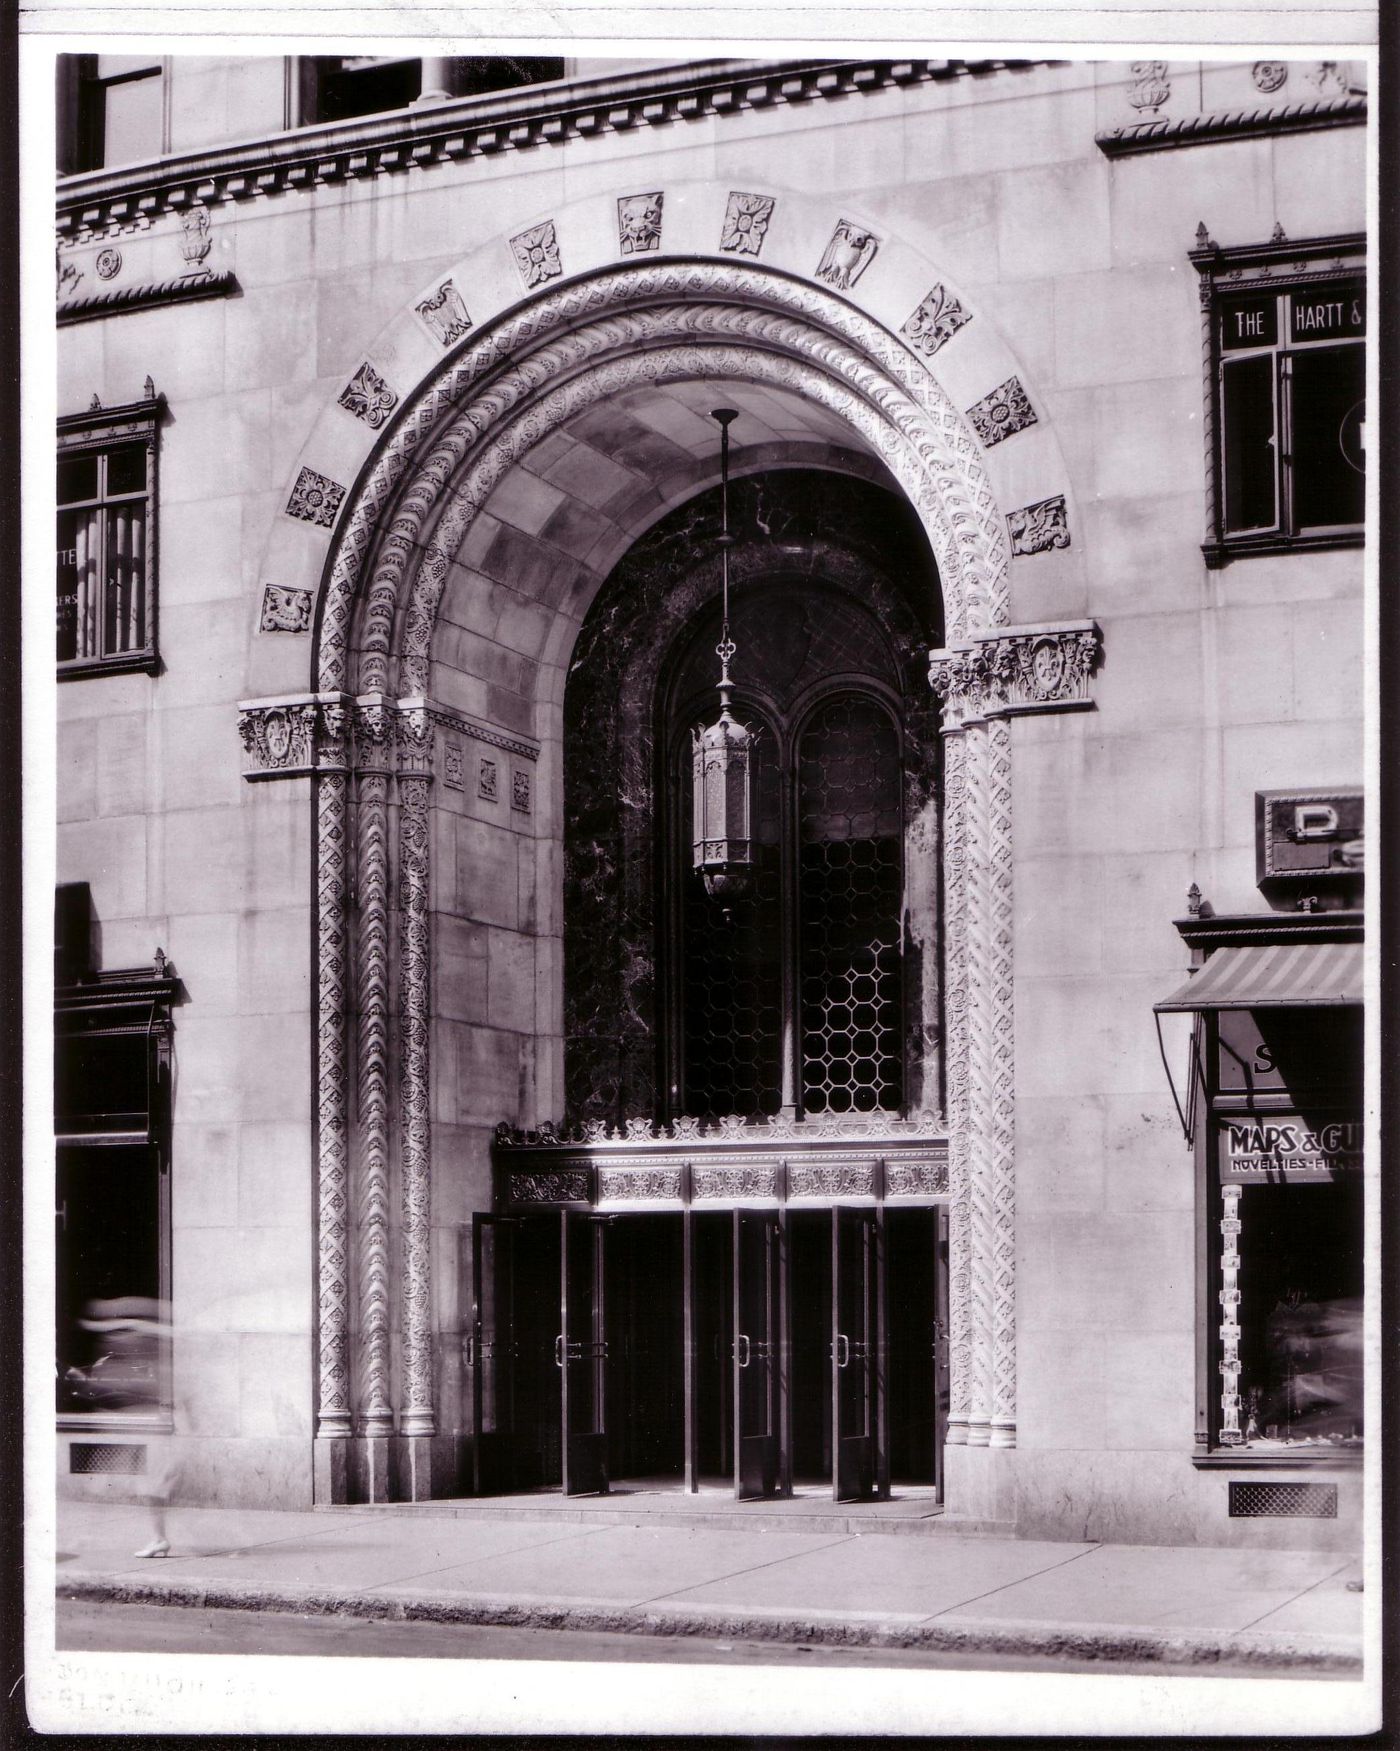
point(860, 1470)
point(757, 1340)
point(581, 1355)
point(490, 1354)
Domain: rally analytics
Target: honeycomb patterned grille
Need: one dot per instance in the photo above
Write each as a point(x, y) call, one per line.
point(732, 974)
point(114, 1458)
point(1288, 1501)
point(849, 910)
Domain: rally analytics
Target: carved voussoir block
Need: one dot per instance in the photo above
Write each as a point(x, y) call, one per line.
point(285, 610)
point(368, 397)
point(639, 223)
point(536, 253)
point(1006, 410)
point(1039, 527)
point(746, 220)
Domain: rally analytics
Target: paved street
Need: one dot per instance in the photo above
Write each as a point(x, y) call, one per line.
point(934, 1590)
point(102, 1627)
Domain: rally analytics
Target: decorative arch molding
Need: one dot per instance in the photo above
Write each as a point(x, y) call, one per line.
point(824, 346)
point(423, 461)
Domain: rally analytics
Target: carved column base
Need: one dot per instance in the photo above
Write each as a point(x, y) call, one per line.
point(980, 1486)
point(373, 1464)
point(413, 1456)
point(1003, 1432)
point(979, 1432)
point(330, 1470)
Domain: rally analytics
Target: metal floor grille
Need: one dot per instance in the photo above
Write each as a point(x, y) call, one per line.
point(1296, 1501)
point(116, 1458)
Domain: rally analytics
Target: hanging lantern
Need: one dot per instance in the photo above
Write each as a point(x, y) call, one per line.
point(722, 752)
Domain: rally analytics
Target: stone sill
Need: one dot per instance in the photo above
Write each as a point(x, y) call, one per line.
point(1234, 1459)
point(134, 663)
point(1220, 553)
point(114, 1423)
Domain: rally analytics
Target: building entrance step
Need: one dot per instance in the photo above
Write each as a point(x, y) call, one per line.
point(909, 1511)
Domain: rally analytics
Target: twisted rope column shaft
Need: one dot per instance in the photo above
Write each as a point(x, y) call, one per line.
point(955, 881)
point(1000, 1003)
point(980, 1072)
point(332, 1119)
point(377, 1408)
point(416, 1397)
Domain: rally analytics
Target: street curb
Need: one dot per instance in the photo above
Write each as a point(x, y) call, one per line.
point(1264, 1650)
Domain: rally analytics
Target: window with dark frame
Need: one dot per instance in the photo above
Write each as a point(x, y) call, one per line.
point(336, 88)
point(111, 110)
point(1287, 334)
point(106, 540)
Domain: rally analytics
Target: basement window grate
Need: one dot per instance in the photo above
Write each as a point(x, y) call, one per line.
point(110, 1458)
point(1289, 1501)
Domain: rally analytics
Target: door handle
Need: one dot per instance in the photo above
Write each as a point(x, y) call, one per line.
point(744, 1359)
point(471, 1349)
point(841, 1350)
point(559, 1351)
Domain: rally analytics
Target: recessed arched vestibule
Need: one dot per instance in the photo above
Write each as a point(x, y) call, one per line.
point(483, 530)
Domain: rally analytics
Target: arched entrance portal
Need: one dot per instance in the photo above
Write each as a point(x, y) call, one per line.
point(461, 570)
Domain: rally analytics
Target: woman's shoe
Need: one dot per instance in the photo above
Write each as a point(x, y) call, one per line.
point(157, 1547)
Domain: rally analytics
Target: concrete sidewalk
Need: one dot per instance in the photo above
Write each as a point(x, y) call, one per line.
point(1281, 1610)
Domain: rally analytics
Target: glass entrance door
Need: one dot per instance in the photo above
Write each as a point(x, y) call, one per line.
point(760, 1450)
point(581, 1354)
point(510, 1353)
point(859, 1441)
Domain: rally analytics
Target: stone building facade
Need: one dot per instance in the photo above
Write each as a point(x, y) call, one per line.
point(391, 427)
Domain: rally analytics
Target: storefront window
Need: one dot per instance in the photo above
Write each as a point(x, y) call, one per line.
point(1286, 1166)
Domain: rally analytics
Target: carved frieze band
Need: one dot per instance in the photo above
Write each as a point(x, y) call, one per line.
point(629, 1184)
point(1018, 670)
point(283, 738)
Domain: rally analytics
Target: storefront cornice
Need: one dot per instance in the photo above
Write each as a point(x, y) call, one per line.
point(1203, 934)
point(104, 201)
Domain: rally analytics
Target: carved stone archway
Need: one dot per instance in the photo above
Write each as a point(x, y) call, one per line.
point(370, 723)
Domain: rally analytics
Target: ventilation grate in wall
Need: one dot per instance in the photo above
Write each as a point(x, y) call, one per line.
point(116, 1458)
point(1295, 1501)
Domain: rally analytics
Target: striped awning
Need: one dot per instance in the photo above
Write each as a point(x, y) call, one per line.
point(1273, 976)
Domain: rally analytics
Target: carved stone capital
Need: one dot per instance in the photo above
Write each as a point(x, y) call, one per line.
point(294, 736)
point(1019, 670)
point(413, 729)
point(374, 734)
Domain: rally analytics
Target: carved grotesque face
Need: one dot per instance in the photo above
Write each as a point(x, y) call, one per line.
point(639, 218)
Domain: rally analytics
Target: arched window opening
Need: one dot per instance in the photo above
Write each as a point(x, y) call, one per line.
point(789, 999)
point(816, 994)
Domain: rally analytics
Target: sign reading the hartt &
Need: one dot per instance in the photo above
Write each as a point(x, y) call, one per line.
point(1333, 311)
point(1284, 1147)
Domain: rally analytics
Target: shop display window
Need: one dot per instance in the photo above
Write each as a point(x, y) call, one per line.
point(1285, 1353)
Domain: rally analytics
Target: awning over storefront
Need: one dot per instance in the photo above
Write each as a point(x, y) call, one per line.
point(1272, 976)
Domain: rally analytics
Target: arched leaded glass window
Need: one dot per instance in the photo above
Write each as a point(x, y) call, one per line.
point(790, 998)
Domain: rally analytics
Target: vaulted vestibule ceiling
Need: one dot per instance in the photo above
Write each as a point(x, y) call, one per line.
point(558, 521)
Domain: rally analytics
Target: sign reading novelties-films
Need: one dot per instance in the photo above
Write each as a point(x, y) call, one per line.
point(1283, 1147)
